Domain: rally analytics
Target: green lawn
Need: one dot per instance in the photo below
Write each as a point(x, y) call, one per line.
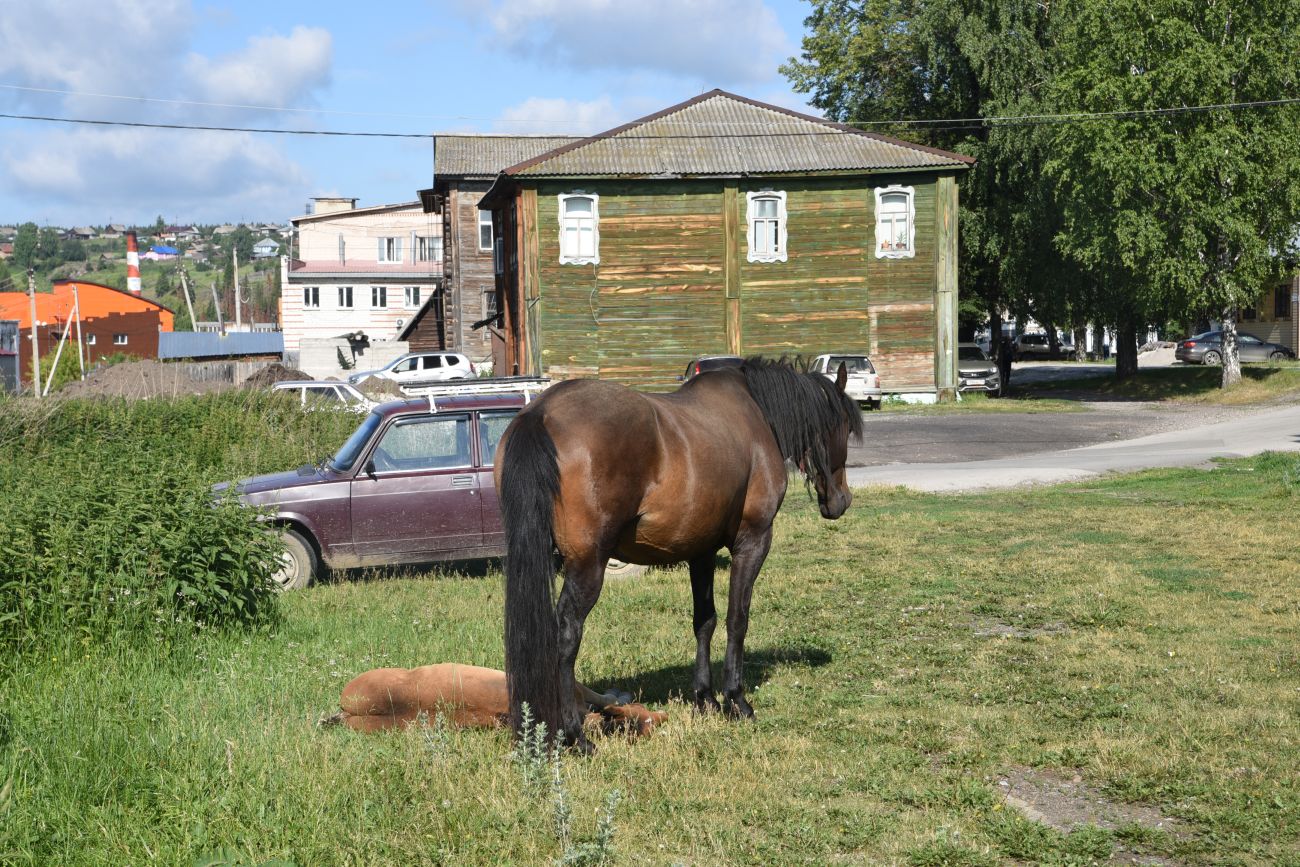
point(1139, 633)
point(982, 403)
point(1271, 381)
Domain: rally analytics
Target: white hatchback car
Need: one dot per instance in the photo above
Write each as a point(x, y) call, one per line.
point(864, 383)
point(326, 393)
point(421, 367)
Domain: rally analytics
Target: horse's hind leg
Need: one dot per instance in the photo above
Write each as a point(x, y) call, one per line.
point(706, 618)
point(583, 578)
point(747, 556)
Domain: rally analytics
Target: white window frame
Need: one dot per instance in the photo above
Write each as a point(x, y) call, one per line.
point(428, 248)
point(883, 235)
point(390, 250)
point(485, 221)
point(90, 340)
point(753, 220)
point(311, 297)
point(411, 296)
point(348, 295)
point(378, 297)
point(572, 259)
point(120, 339)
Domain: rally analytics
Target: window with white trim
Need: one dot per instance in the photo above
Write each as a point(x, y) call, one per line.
point(428, 248)
point(411, 296)
point(767, 233)
point(579, 229)
point(484, 231)
point(345, 297)
point(311, 296)
point(895, 222)
point(90, 340)
point(378, 296)
point(390, 250)
point(119, 340)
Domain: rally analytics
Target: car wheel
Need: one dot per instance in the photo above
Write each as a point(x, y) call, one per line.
point(298, 565)
point(1212, 358)
point(619, 569)
point(1277, 355)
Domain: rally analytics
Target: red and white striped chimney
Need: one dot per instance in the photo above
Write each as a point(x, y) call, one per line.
point(132, 264)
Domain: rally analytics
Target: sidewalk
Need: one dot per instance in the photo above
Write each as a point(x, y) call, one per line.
point(1275, 430)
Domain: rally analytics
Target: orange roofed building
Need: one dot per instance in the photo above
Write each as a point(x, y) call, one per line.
point(112, 321)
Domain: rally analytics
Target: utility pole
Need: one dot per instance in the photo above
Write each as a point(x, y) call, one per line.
point(185, 290)
point(216, 302)
point(239, 319)
point(36, 352)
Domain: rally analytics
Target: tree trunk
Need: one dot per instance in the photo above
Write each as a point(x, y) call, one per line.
point(1053, 340)
point(1126, 354)
point(1231, 354)
point(1098, 342)
point(1080, 343)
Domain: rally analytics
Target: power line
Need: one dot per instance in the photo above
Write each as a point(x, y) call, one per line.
point(764, 130)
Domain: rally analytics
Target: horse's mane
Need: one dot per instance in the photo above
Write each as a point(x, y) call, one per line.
point(801, 408)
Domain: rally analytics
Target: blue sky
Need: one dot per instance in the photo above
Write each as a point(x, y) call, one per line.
point(419, 66)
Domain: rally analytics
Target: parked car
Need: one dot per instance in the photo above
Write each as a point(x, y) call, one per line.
point(705, 363)
point(1207, 348)
point(318, 393)
point(1039, 345)
point(421, 367)
point(863, 382)
point(413, 484)
point(976, 371)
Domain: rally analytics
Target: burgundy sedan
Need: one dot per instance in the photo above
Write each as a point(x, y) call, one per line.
point(413, 484)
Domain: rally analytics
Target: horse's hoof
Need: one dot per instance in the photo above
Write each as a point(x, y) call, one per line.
point(705, 703)
point(738, 708)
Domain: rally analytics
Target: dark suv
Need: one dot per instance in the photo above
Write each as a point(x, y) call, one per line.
point(413, 484)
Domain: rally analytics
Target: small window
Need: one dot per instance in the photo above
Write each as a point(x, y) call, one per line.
point(432, 362)
point(390, 250)
point(895, 222)
point(119, 340)
point(1282, 303)
point(428, 248)
point(345, 297)
point(499, 259)
point(490, 303)
point(424, 444)
point(378, 296)
point(311, 296)
point(491, 425)
point(484, 231)
point(411, 296)
point(90, 340)
point(767, 231)
point(579, 229)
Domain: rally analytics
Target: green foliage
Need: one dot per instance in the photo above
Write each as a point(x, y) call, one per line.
point(25, 255)
point(108, 528)
point(69, 369)
point(345, 363)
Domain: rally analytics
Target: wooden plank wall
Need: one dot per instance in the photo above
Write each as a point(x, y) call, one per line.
point(673, 281)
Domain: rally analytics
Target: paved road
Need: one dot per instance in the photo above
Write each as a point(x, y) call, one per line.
point(1247, 434)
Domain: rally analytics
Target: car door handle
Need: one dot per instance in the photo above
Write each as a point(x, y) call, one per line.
point(462, 481)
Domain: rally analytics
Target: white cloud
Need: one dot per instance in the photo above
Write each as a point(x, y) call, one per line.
point(715, 41)
point(276, 71)
point(134, 173)
point(559, 116)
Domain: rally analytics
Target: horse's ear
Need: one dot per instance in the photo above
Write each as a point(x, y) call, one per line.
point(841, 377)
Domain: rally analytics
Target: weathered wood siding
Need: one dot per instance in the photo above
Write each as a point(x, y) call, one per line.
point(674, 280)
point(470, 275)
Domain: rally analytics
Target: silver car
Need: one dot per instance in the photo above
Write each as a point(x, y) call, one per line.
point(976, 371)
point(1207, 348)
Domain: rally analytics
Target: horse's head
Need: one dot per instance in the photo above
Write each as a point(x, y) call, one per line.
point(825, 463)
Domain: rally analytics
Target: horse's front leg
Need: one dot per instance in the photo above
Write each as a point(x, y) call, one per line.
point(747, 556)
point(706, 618)
point(583, 579)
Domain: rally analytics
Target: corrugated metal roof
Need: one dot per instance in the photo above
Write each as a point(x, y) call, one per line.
point(207, 344)
point(720, 133)
point(484, 156)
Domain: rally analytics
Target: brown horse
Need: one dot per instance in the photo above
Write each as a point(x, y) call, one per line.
point(599, 471)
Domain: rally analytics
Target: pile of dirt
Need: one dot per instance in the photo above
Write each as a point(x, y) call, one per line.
point(273, 373)
point(378, 387)
point(139, 380)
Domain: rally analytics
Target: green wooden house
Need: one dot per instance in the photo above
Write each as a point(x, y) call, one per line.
point(728, 226)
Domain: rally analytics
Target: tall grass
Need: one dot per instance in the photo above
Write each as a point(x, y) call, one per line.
point(109, 531)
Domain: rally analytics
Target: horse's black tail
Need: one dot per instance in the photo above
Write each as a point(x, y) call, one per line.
point(530, 482)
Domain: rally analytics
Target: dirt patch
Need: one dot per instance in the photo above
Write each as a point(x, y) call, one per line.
point(1065, 802)
point(997, 629)
point(378, 387)
point(273, 373)
point(138, 380)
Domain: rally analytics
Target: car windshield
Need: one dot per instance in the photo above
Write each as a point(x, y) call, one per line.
point(347, 456)
point(971, 353)
point(852, 363)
